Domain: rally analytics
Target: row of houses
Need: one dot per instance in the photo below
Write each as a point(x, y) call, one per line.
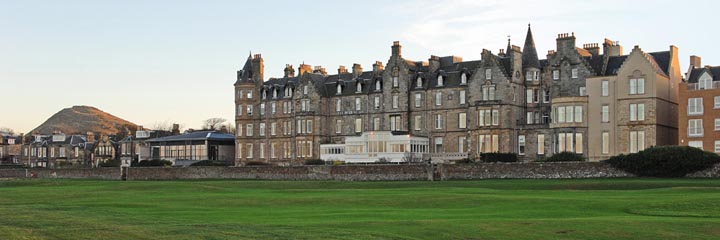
point(596, 100)
point(87, 150)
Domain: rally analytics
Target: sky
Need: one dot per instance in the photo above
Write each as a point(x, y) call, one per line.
point(175, 61)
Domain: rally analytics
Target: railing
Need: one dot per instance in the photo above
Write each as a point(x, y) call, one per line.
point(445, 157)
point(698, 86)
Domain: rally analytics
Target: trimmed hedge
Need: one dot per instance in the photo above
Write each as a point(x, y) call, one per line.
point(256, 163)
point(564, 157)
point(314, 162)
point(211, 163)
point(152, 163)
point(110, 163)
point(665, 161)
point(498, 157)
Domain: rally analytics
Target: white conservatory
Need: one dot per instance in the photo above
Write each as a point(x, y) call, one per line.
point(373, 146)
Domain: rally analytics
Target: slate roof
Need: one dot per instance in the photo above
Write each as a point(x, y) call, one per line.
point(245, 74)
point(199, 135)
point(529, 53)
point(697, 72)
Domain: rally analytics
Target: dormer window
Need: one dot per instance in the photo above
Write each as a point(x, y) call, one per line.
point(288, 92)
point(275, 93)
point(339, 89)
point(440, 82)
point(358, 87)
point(463, 78)
point(264, 95)
point(378, 86)
point(418, 82)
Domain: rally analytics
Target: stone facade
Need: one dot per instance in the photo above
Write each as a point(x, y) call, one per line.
point(505, 102)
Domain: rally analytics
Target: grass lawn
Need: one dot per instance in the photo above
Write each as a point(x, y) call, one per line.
point(489, 209)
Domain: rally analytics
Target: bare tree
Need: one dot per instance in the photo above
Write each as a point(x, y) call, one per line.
point(409, 157)
point(161, 126)
point(7, 130)
point(213, 123)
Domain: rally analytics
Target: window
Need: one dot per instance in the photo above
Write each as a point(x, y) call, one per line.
point(249, 130)
point(463, 79)
point(395, 100)
point(305, 90)
point(461, 144)
point(395, 81)
point(358, 125)
point(695, 106)
point(239, 94)
point(261, 132)
point(488, 74)
point(462, 97)
point(377, 102)
point(273, 107)
point(574, 73)
point(438, 144)
point(438, 121)
point(583, 91)
point(536, 95)
point(264, 94)
point(309, 126)
point(546, 96)
point(695, 128)
point(541, 144)
point(249, 110)
point(272, 150)
point(438, 98)
point(717, 102)
point(395, 123)
point(529, 95)
point(238, 110)
point(488, 143)
point(605, 142)
point(440, 82)
point(338, 126)
point(532, 76)
point(358, 87)
point(418, 122)
point(262, 150)
point(637, 141)
point(495, 117)
point(376, 124)
point(569, 116)
point(273, 129)
point(705, 82)
point(418, 82)
point(249, 150)
point(488, 93)
point(556, 74)
point(418, 100)
point(605, 113)
point(521, 145)
point(561, 114)
point(637, 86)
point(696, 144)
point(249, 94)
point(578, 143)
point(288, 92)
point(338, 105)
point(358, 106)
point(462, 120)
point(578, 114)
point(717, 146)
point(338, 91)
point(275, 93)
point(378, 85)
point(529, 118)
point(637, 112)
point(604, 85)
point(717, 124)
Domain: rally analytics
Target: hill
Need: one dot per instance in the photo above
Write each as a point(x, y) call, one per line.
point(83, 119)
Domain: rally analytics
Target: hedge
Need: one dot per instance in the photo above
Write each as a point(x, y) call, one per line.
point(564, 157)
point(498, 157)
point(665, 161)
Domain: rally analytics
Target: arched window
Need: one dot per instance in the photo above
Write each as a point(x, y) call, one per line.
point(339, 89)
point(418, 82)
point(358, 87)
point(463, 78)
point(705, 82)
point(440, 81)
point(264, 95)
point(275, 93)
point(377, 85)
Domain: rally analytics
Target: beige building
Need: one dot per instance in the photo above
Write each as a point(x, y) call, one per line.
point(634, 105)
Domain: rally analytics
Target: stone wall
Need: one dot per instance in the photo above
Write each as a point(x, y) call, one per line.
point(352, 172)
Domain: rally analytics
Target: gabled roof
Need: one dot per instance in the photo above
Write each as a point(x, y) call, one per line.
point(695, 73)
point(199, 135)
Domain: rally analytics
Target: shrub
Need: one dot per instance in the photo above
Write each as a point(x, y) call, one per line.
point(382, 160)
point(314, 162)
point(665, 161)
point(256, 163)
point(498, 157)
point(154, 163)
point(110, 163)
point(564, 157)
point(465, 161)
point(211, 163)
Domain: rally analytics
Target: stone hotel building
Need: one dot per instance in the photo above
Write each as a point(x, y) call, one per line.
point(592, 100)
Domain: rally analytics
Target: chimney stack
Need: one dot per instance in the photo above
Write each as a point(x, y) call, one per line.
point(357, 69)
point(396, 49)
point(378, 67)
point(434, 62)
point(320, 70)
point(304, 68)
point(289, 71)
point(612, 48)
point(695, 62)
point(342, 70)
point(90, 137)
point(593, 48)
point(176, 129)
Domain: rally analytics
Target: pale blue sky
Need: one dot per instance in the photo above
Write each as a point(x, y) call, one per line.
point(156, 61)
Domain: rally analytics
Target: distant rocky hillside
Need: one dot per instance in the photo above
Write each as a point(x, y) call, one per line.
point(83, 119)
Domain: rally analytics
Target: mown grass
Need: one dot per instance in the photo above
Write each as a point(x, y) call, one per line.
point(490, 209)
